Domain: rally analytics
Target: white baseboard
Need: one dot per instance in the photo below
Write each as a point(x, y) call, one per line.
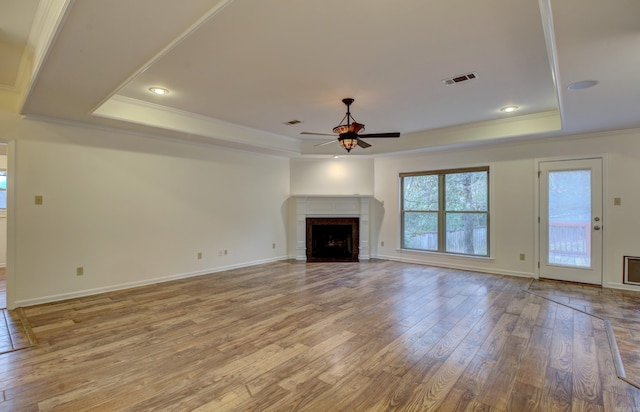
point(470, 268)
point(621, 286)
point(129, 285)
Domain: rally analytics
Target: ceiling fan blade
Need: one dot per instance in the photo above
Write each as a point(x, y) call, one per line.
point(363, 144)
point(393, 134)
point(318, 134)
point(325, 143)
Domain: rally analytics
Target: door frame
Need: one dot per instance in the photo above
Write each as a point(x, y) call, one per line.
point(536, 217)
point(10, 269)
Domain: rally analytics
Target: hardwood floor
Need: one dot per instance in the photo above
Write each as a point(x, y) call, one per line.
point(319, 337)
point(13, 332)
point(620, 308)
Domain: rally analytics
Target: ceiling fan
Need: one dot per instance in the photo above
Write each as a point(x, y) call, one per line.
point(348, 133)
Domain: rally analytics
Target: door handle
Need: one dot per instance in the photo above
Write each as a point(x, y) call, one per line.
point(596, 228)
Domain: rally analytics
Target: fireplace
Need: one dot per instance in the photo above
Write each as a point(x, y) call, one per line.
point(332, 239)
point(331, 211)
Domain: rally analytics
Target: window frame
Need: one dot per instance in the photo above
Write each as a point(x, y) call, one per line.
point(442, 211)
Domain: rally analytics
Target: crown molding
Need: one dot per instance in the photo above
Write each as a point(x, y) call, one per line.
point(150, 114)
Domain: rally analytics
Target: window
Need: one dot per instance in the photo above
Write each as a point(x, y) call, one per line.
point(446, 211)
point(3, 189)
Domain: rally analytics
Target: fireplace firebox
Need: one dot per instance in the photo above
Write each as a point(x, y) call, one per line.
point(332, 239)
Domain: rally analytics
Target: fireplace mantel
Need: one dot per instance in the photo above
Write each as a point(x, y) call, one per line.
point(331, 206)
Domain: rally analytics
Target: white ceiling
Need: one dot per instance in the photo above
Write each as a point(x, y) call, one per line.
point(16, 18)
point(238, 70)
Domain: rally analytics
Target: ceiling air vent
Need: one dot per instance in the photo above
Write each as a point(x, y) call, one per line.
point(292, 122)
point(461, 78)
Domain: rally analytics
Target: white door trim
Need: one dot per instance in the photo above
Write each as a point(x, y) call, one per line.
point(536, 217)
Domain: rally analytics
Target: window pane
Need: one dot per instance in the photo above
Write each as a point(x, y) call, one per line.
point(420, 230)
point(466, 191)
point(570, 218)
point(3, 189)
point(446, 211)
point(467, 233)
point(420, 192)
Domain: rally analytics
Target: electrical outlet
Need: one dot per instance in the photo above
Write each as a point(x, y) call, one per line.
point(521, 256)
point(80, 271)
point(225, 251)
point(617, 201)
point(382, 243)
point(273, 246)
point(199, 255)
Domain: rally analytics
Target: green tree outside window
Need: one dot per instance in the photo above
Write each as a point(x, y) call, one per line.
point(446, 211)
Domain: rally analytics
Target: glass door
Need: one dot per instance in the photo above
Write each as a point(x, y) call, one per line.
point(571, 220)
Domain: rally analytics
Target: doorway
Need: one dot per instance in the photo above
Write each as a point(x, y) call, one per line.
point(3, 225)
point(570, 221)
point(3, 288)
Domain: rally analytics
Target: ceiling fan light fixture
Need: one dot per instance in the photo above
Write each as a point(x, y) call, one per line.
point(348, 141)
point(343, 128)
point(348, 131)
point(354, 127)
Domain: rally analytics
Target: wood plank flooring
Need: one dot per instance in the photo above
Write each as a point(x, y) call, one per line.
point(319, 337)
point(14, 331)
point(13, 324)
point(620, 308)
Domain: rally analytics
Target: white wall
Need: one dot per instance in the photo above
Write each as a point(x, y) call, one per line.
point(513, 171)
point(134, 210)
point(342, 176)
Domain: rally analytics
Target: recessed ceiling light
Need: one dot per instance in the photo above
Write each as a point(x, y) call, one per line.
point(509, 109)
point(158, 90)
point(581, 85)
point(336, 156)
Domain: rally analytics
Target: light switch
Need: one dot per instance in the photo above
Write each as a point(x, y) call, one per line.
point(38, 200)
point(617, 201)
